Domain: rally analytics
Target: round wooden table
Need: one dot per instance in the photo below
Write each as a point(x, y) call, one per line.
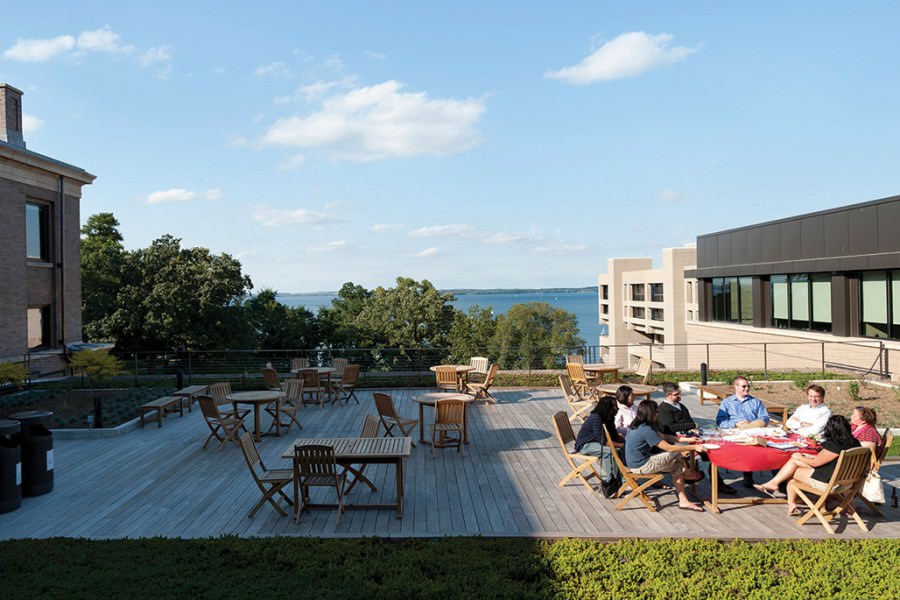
point(326, 371)
point(462, 371)
point(602, 369)
point(429, 398)
point(258, 399)
point(639, 389)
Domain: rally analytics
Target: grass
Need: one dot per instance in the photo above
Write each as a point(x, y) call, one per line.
point(448, 568)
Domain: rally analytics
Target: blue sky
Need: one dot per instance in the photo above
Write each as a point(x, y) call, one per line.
point(473, 144)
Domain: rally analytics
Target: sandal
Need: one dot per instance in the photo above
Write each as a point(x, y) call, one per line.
point(759, 488)
point(795, 512)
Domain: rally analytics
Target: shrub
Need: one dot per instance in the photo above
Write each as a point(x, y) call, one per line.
point(13, 374)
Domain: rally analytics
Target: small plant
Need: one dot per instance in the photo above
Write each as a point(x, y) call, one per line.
point(853, 390)
point(802, 380)
point(96, 365)
point(12, 373)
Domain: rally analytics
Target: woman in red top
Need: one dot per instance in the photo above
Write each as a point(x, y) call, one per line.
point(862, 424)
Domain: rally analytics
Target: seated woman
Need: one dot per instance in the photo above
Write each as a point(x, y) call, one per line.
point(813, 469)
point(592, 442)
point(647, 451)
point(862, 425)
point(626, 411)
point(810, 418)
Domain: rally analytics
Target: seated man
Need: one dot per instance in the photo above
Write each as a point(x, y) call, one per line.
point(648, 451)
point(674, 417)
point(742, 410)
point(810, 418)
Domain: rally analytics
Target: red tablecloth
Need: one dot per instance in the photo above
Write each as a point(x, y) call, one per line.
point(740, 457)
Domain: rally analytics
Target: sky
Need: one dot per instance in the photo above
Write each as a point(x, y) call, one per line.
point(474, 144)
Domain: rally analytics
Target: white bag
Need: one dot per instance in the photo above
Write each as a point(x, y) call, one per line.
point(873, 490)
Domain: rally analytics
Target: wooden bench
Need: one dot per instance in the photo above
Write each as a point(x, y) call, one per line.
point(162, 407)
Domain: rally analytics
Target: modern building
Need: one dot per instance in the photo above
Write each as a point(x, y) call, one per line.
point(645, 310)
point(40, 270)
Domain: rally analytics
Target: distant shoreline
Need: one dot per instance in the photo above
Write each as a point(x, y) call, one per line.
point(469, 291)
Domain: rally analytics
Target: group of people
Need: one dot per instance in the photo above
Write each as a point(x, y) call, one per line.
point(654, 438)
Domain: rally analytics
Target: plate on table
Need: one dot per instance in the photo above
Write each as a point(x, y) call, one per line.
point(711, 446)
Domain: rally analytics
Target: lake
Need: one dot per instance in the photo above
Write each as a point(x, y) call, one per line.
point(582, 304)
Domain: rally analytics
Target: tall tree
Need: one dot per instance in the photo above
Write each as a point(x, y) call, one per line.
point(410, 315)
point(472, 334)
point(338, 322)
point(278, 326)
point(102, 260)
point(536, 336)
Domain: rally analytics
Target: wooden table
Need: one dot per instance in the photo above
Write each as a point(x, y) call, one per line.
point(429, 398)
point(356, 451)
point(258, 400)
point(462, 372)
point(639, 389)
point(717, 393)
point(326, 371)
point(601, 370)
point(190, 393)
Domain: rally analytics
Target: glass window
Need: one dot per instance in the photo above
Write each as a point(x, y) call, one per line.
point(37, 231)
point(38, 327)
point(874, 304)
point(604, 292)
point(656, 292)
point(656, 314)
point(745, 306)
point(637, 291)
point(821, 301)
point(637, 312)
point(799, 298)
point(733, 299)
point(802, 301)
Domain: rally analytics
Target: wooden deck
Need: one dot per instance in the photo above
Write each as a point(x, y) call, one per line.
point(159, 482)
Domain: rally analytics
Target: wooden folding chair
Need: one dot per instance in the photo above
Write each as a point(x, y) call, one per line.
point(338, 364)
point(579, 406)
point(480, 366)
point(288, 407)
point(270, 377)
point(845, 485)
point(887, 438)
point(299, 363)
point(315, 466)
point(445, 378)
point(220, 392)
point(645, 370)
point(575, 358)
point(580, 382)
point(312, 386)
point(270, 482)
point(346, 386)
point(449, 418)
point(482, 390)
point(369, 430)
point(225, 429)
point(632, 481)
point(582, 466)
point(388, 416)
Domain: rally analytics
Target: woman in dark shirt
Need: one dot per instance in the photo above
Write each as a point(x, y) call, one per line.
point(814, 470)
point(592, 442)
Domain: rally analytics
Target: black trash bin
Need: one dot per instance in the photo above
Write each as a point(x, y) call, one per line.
point(10, 467)
point(36, 443)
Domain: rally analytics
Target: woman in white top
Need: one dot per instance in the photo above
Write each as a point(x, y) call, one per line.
point(810, 418)
point(627, 410)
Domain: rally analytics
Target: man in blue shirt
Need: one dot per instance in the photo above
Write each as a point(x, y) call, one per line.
point(742, 410)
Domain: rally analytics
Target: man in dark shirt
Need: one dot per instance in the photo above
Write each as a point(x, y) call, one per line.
point(674, 417)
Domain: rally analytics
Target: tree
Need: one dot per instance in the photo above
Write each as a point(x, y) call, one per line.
point(102, 260)
point(338, 323)
point(535, 336)
point(278, 326)
point(472, 334)
point(410, 315)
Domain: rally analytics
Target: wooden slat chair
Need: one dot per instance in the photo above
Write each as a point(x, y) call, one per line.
point(387, 414)
point(887, 438)
point(270, 482)
point(288, 407)
point(220, 392)
point(299, 363)
point(479, 372)
point(575, 358)
point(225, 429)
point(449, 418)
point(580, 382)
point(346, 386)
point(338, 364)
point(632, 481)
point(482, 390)
point(582, 466)
point(845, 485)
point(579, 406)
point(315, 466)
point(270, 377)
point(369, 430)
point(312, 386)
point(445, 378)
point(645, 370)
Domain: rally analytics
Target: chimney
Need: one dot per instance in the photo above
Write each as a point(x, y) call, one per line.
point(11, 116)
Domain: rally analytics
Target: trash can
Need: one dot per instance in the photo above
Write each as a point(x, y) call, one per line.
point(36, 442)
point(10, 467)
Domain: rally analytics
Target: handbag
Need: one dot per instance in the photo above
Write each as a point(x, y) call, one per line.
point(873, 490)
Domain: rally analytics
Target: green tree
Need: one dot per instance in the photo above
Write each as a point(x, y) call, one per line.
point(182, 299)
point(411, 315)
point(338, 323)
point(472, 333)
point(102, 260)
point(535, 336)
point(278, 326)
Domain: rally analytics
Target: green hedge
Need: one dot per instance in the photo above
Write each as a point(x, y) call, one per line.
point(280, 567)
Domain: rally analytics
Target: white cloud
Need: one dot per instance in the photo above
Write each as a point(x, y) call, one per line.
point(328, 247)
point(275, 69)
point(39, 50)
point(374, 55)
point(502, 238)
point(627, 55)
point(182, 195)
point(560, 248)
point(102, 40)
point(381, 121)
point(444, 231)
point(427, 253)
point(278, 217)
point(30, 124)
point(291, 162)
point(672, 195)
point(155, 55)
point(385, 227)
